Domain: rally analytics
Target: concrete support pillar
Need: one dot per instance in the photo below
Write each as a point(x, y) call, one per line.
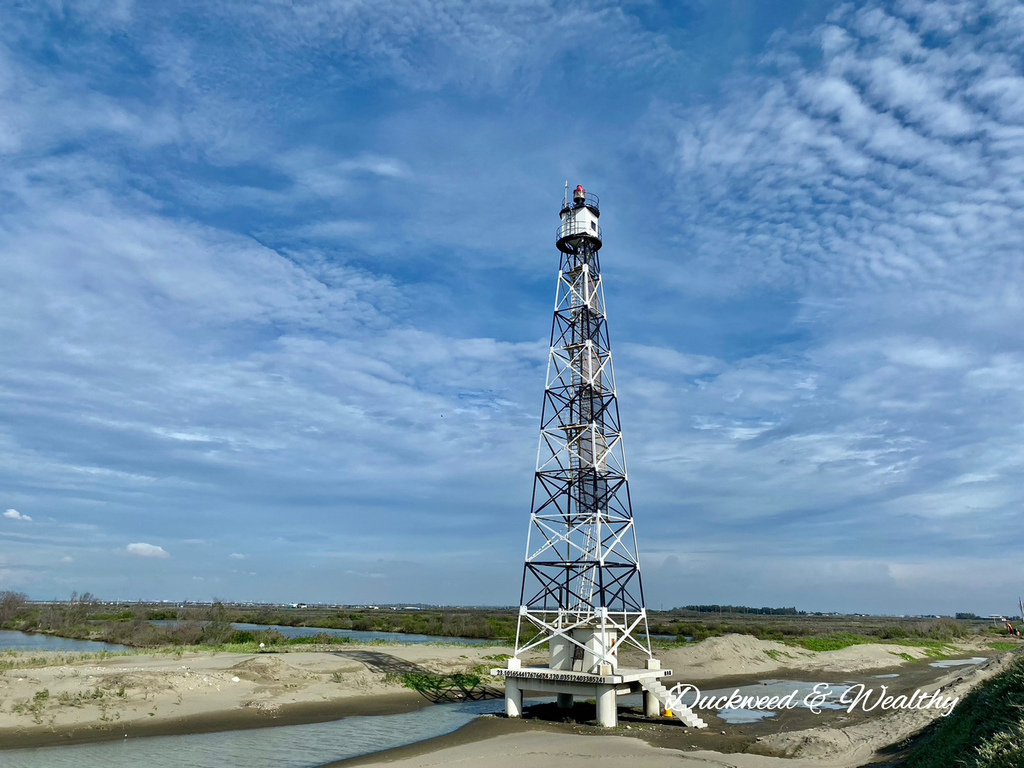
point(513, 698)
point(652, 707)
point(565, 701)
point(607, 706)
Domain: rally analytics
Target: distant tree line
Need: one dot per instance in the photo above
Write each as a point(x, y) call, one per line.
point(743, 609)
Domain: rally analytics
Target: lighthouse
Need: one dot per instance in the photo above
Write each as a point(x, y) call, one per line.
point(582, 596)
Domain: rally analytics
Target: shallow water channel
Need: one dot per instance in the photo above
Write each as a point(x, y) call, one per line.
point(292, 746)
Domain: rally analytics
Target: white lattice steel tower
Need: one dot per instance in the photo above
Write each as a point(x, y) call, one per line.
point(581, 590)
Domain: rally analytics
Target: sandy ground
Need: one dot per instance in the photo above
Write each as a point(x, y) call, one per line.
point(65, 698)
point(743, 655)
point(48, 698)
point(797, 739)
point(542, 750)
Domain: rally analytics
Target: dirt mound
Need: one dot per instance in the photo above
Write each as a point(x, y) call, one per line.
point(731, 655)
point(264, 671)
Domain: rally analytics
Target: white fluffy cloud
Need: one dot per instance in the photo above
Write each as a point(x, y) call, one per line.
point(141, 549)
point(13, 514)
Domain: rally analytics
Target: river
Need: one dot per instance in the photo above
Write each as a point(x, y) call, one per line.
point(24, 641)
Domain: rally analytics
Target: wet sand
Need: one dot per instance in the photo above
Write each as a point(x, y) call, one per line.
point(211, 722)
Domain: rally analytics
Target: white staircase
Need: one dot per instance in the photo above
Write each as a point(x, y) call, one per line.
point(661, 693)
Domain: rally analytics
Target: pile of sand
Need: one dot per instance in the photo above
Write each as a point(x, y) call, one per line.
point(743, 655)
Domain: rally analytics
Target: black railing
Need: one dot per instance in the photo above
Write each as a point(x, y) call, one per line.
point(592, 202)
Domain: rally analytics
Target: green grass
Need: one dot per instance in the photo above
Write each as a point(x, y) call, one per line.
point(833, 642)
point(1004, 646)
point(933, 649)
point(985, 729)
point(660, 643)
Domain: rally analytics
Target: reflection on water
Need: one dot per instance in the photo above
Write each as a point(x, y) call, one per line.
point(23, 641)
point(293, 746)
point(947, 663)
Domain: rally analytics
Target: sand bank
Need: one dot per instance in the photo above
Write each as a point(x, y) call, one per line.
point(67, 698)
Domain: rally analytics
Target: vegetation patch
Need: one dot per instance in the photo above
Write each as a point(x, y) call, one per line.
point(465, 686)
point(985, 729)
point(834, 642)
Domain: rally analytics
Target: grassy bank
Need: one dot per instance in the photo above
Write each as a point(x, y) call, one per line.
point(985, 730)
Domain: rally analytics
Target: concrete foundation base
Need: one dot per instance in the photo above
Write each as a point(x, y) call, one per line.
point(604, 689)
point(652, 707)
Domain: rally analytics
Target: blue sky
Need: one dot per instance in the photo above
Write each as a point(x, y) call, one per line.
point(276, 284)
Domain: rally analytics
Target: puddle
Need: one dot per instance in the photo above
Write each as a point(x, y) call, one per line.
point(885, 677)
point(740, 716)
point(769, 688)
point(948, 663)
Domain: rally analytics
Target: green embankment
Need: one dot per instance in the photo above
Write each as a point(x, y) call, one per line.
point(985, 729)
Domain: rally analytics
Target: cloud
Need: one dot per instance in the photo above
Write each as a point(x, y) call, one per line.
point(13, 514)
point(872, 168)
point(236, 556)
point(242, 325)
point(141, 549)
